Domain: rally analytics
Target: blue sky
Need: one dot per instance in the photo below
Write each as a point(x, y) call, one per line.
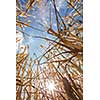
point(41, 14)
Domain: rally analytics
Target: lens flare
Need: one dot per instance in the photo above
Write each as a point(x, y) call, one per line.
point(50, 86)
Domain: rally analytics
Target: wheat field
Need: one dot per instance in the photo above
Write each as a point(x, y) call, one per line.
point(49, 50)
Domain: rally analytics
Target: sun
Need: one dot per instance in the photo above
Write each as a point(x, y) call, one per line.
point(50, 86)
